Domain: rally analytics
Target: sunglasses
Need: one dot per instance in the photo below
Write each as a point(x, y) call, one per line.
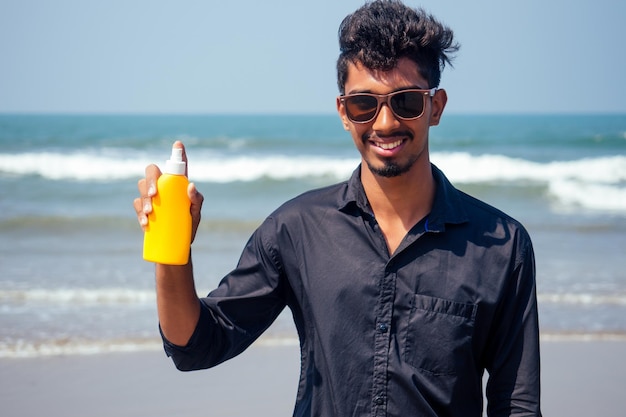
point(405, 104)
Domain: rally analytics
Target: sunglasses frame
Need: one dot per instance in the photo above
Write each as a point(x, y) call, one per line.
point(386, 99)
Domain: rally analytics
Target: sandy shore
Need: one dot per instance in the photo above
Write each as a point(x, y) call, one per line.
point(579, 379)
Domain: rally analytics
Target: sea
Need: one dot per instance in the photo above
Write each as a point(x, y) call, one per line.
point(72, 277)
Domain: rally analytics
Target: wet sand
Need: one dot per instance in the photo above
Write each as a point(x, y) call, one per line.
point(579, 378)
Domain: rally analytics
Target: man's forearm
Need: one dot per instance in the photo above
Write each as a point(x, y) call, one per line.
point(178, 305)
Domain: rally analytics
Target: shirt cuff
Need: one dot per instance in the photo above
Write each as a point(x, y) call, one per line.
point(202, 333)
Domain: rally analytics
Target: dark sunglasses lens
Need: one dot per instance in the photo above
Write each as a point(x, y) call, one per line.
point(407, 105)
point(361, 108)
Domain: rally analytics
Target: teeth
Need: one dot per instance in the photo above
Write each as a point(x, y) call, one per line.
point(389, 145)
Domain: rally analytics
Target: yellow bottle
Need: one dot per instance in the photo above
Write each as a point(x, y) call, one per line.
point(167, 238)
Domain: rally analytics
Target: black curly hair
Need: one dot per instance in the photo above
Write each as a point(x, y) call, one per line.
point(381, 32)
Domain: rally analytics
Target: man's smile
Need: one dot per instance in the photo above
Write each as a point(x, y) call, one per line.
point(388, 145)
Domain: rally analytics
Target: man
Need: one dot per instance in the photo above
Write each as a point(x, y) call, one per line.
point(402, 288)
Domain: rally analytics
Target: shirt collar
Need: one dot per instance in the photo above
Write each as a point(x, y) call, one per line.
point(447, 207)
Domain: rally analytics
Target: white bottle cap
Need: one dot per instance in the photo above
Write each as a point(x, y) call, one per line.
point(175, 165)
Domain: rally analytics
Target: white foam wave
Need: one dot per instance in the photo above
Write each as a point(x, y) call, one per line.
point(81, 167)
point(78, 296)
point(276, 167)
point(595, 183)
point(66, 347)
point(466, 168)
point(592, 196)
point(459, 167)
point(586, 299)
point(121, 296)
point(88, 167)
point(591, 183)
point(602, 336)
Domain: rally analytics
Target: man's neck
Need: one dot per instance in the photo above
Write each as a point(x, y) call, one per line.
point(399, 202)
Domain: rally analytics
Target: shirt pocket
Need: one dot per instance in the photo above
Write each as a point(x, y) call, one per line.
point(439, 335)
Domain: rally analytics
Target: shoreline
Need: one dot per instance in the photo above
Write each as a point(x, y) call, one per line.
point(68, 348)
point(579, 378)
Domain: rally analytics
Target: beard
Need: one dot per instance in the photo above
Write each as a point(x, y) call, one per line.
point(391, 169)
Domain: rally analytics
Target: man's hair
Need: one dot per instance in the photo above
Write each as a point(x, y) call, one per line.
point(381, 32)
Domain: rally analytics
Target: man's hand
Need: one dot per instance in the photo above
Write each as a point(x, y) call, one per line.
point(148, 189)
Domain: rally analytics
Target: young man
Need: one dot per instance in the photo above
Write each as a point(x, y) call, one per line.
point(403, 289)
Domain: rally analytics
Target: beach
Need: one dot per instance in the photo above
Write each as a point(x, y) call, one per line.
point(579, 378)
point(78, 321)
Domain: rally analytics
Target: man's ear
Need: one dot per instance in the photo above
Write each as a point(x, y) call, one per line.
point(341, 109)
point(438, 101)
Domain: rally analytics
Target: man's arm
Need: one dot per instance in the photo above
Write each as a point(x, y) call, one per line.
point(513, 388)
point(200, 333)
point(178, 305)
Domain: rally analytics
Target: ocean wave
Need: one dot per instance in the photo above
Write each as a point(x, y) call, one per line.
point(23, 349)
point(124, 296)
point(70, 347)
point(595, 183)
point(466, 168)
point(586, 299)
point(210, 168)
point(77, 166)
point(16, 349)
point(276, 167)
point(79, 296)
point(591, 183)
point(593, 196)
point(570, 336)
point(460, 167)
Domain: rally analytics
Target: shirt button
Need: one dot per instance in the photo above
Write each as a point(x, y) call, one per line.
point(379, 400)
point(382, 327)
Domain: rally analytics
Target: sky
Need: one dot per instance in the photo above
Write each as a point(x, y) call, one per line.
point(278, 56)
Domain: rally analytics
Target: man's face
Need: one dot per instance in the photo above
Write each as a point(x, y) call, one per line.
point(390, 146)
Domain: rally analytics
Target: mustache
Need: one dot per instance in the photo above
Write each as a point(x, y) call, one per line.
point(372, 136)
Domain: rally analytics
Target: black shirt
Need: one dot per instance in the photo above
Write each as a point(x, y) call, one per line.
point(403, 335)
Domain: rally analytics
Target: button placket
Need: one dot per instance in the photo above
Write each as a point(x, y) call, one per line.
point(382, 344)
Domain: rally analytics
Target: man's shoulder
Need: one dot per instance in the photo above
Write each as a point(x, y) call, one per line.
point(486, 216)
point(480, 207)
point(458, 207)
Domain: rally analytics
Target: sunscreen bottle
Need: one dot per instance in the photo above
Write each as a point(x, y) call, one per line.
point(167, 238)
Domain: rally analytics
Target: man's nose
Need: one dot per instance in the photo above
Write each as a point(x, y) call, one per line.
point(385, 119)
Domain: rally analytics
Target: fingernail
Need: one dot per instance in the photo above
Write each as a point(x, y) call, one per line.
point(151, 190)
point(143, 220)
point(147, 208)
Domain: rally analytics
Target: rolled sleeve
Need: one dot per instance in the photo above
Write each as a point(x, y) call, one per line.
point(186, 357)
point(238, 311)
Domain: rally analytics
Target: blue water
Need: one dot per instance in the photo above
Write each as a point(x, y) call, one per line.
point(71, 275)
